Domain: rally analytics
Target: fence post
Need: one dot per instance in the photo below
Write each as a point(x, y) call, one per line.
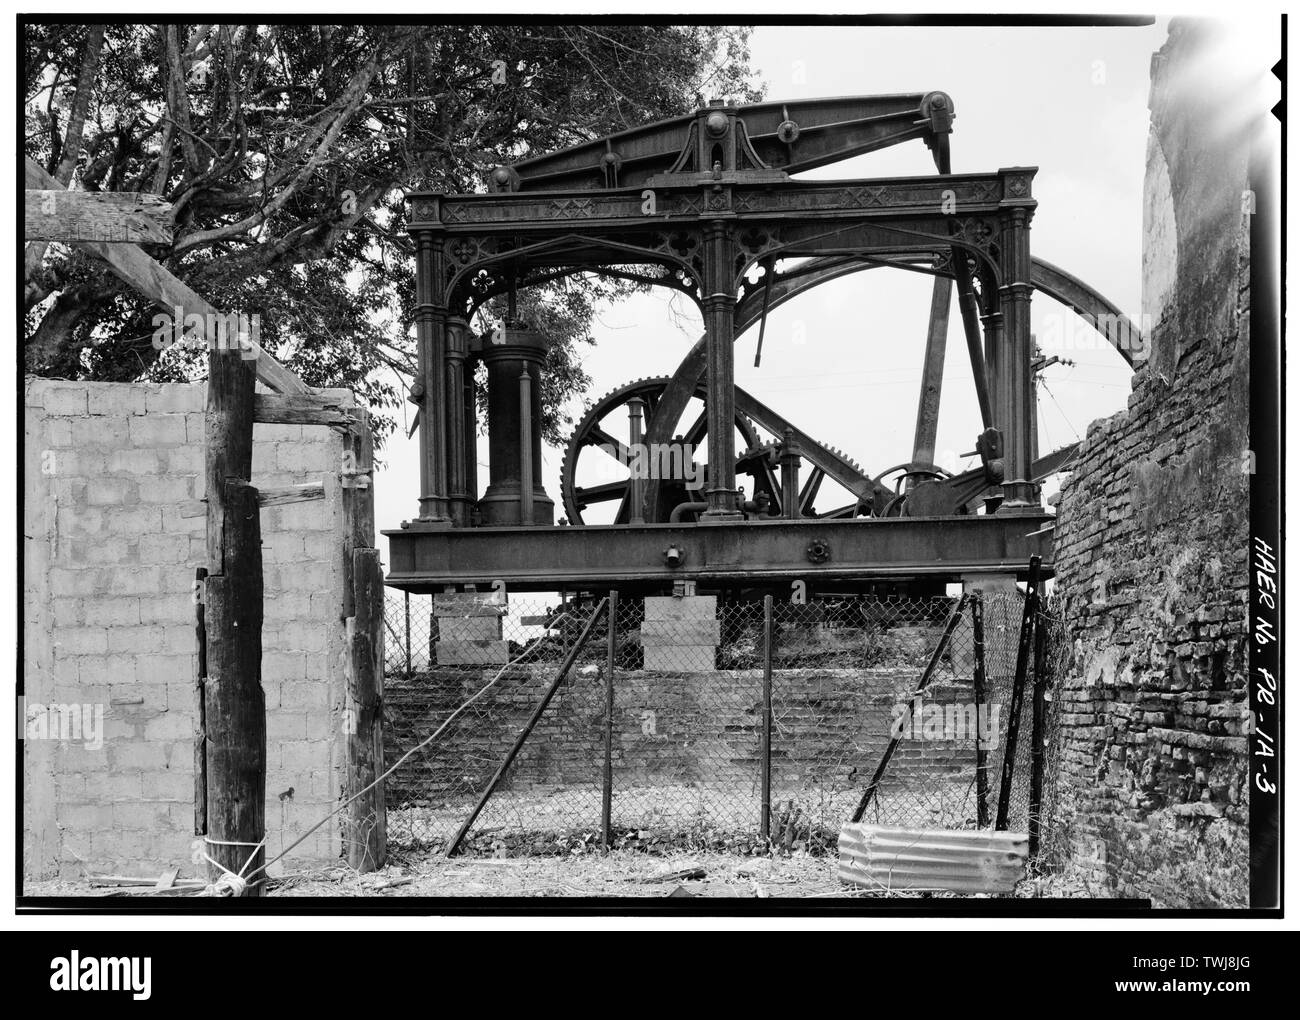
point(953, 619)
point(1036, 754)
point(1017, 693)
point(765, 818)
point(524, 734)
point(607, 780)
point(981, 713)
point(406, 600)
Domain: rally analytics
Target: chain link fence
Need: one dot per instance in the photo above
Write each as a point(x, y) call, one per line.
point(713, 708)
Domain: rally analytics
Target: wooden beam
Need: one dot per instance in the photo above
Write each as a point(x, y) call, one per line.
point(136, 268)
point(303, 409)
point(265, 497)
point(123, 217)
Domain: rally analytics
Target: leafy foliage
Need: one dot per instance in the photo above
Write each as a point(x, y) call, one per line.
point(285, 151)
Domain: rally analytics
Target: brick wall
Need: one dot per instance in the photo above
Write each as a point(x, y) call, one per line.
point(697, 729)
point(109, 560)
point(1151, 540)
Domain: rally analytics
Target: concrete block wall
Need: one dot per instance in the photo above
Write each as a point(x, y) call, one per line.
point(1152, 539)
point(109, 561)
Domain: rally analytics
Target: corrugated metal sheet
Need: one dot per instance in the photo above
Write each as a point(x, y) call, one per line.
point(882, 858)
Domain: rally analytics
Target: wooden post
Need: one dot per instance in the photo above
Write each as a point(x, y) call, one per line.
point(981, 752)
point(367, 821)
point(234, 706)
point(953, 619)
point(567, 665)
point(367, 826)
point(1037, 735)
point(200, 727)
point(765, 817)
point(607, 779)
point(1017, 692)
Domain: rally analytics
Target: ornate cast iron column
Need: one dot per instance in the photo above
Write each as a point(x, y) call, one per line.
point(1016, 405)
point(719, 326)
point(431, 342)
point(460, 442)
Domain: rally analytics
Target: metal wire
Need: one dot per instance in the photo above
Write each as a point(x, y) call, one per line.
point(687, 761)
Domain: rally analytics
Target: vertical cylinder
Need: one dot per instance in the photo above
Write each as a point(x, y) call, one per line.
point(514, 430)
point(431, 343)
point(470, 406)
point(459, 442)
point(719, 325)
point(1015, 400)
point(636, 480)
point(525, 447)
point(790, 454)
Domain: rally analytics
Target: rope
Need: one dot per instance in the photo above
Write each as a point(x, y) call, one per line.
point(233, 882)
point(537, 642)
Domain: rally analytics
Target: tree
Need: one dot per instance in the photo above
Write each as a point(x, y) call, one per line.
point(285, 151)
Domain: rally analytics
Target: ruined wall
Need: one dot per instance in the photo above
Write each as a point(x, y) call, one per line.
point(109, 558)
point(1151, 540)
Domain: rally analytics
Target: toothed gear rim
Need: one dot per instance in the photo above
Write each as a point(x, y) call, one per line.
point(648, 388)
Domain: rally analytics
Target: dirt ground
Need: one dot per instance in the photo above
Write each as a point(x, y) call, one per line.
point(618, 873)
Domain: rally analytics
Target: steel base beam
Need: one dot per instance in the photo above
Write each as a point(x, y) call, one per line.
point(545, 559)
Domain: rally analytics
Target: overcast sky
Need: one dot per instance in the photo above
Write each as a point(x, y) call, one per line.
point(1070, 101)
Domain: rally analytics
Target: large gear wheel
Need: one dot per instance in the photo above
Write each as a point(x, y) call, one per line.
point(593, 434)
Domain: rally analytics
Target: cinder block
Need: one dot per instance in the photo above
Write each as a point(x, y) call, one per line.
point(58, 433)
point(469, 628)
point(285, 725)
point(150, 430)
point(472, 653)
point(103, 432)
point(279, 667)
point(151, 814)
point(305, 696)
point(680, 632)
point(65, 399)
point(79, 521)
point(139, 638)
point(186, 460)
point(112, 491)
point(115, 399)
point(666, 607)
point(680, 658)
point(169, 726)
point(137, 462)
point(173, 608)
point(81, 641)
point(174, 398)
point(179, 489)
point(136, 580)
point(474, 603)
point(69, 612)
point(76, 581)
